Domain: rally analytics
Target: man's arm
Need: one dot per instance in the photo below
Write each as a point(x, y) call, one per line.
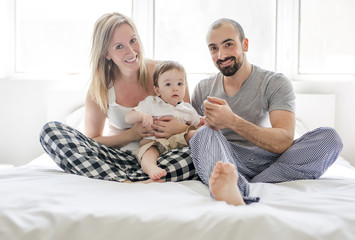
point(276, 139)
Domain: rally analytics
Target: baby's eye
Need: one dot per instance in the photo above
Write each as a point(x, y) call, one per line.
point(180, 84)
point(168, 84)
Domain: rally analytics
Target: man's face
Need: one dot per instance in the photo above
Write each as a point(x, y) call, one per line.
point(226, 50)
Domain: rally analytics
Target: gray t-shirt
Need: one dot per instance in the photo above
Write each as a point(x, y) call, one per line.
point(263, 92)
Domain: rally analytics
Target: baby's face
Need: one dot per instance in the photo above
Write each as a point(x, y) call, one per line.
point(171, 86)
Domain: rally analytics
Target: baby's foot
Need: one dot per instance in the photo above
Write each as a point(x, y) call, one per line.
point(156, 173)
point(223, 184)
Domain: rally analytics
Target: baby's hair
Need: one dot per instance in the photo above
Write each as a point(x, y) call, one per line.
point(165, 66)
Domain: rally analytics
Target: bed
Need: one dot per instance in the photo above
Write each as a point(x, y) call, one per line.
point(39, 201)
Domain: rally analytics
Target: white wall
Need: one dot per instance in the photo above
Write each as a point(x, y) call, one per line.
point(23, 111)
point(24, 106)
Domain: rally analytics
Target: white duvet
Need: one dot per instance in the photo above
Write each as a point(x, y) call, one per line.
point(40, 201)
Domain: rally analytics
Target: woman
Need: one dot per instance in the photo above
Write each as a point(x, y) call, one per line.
point(121, 78)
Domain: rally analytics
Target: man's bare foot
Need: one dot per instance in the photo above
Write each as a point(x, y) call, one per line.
point(155, 172)
point(223, 184)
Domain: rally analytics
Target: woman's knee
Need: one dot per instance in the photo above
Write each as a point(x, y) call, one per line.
point(49, 127)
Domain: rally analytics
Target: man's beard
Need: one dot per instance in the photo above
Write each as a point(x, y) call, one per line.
point(229, 70)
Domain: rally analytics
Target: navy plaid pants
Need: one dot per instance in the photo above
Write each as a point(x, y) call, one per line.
point(78, 154)
point(308, 158)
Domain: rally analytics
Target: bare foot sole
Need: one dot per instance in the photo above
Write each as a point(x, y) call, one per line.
point(223, 184)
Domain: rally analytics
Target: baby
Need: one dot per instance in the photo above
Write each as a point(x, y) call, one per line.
point(170, 85)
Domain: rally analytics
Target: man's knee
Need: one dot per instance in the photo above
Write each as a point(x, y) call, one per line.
point(332, 138)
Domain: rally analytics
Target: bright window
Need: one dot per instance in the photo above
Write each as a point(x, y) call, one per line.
point(55, 36)
point(326, 37)
point(181, 27)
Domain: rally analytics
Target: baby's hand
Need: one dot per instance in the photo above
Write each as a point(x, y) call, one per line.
point(147, 120)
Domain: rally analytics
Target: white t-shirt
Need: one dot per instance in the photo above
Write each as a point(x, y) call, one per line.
point(263, 92)
point(157, 107)
point(116, 120)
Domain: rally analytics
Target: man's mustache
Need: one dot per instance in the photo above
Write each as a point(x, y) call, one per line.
point(219, 61)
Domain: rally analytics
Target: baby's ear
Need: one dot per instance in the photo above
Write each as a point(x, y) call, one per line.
point(157, 91)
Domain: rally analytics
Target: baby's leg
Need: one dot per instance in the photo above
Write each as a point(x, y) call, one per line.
point(149, 164)
point(189, 135)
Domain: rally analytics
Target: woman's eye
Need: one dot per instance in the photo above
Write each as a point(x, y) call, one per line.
point(119, 46)
point(133, 40)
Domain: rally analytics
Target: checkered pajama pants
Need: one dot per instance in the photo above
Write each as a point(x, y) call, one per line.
point(76, 153)
point(308, 158)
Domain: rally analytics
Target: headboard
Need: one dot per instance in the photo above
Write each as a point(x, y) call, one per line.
point(312, 110)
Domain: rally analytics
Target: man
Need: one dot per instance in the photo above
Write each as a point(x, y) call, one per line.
point(251, 123)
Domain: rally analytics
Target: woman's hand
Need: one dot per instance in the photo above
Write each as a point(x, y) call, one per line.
point(167, 126)
point(139, 132)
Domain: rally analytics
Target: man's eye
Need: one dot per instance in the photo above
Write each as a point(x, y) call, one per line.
point(212, 49)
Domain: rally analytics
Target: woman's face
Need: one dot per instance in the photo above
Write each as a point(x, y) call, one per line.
point(124, 49)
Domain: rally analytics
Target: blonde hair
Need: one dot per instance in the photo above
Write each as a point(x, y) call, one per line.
point(165, 66)
point(103, 70)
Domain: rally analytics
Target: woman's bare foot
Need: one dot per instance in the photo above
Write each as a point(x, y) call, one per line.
point(223, 184)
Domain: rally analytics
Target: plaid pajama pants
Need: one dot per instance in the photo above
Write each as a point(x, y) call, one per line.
point(76, 153)
point(308, 158)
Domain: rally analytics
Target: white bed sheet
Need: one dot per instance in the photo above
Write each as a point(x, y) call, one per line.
point(40, 201)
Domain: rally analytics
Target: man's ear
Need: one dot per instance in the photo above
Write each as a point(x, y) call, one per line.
point(157, 91)
point(245, 44)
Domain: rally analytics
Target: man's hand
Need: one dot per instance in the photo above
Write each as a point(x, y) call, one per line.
point(218, 113)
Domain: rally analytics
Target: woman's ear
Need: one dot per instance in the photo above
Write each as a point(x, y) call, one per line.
point(108, 57)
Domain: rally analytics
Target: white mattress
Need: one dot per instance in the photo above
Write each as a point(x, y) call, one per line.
point(40, 201)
